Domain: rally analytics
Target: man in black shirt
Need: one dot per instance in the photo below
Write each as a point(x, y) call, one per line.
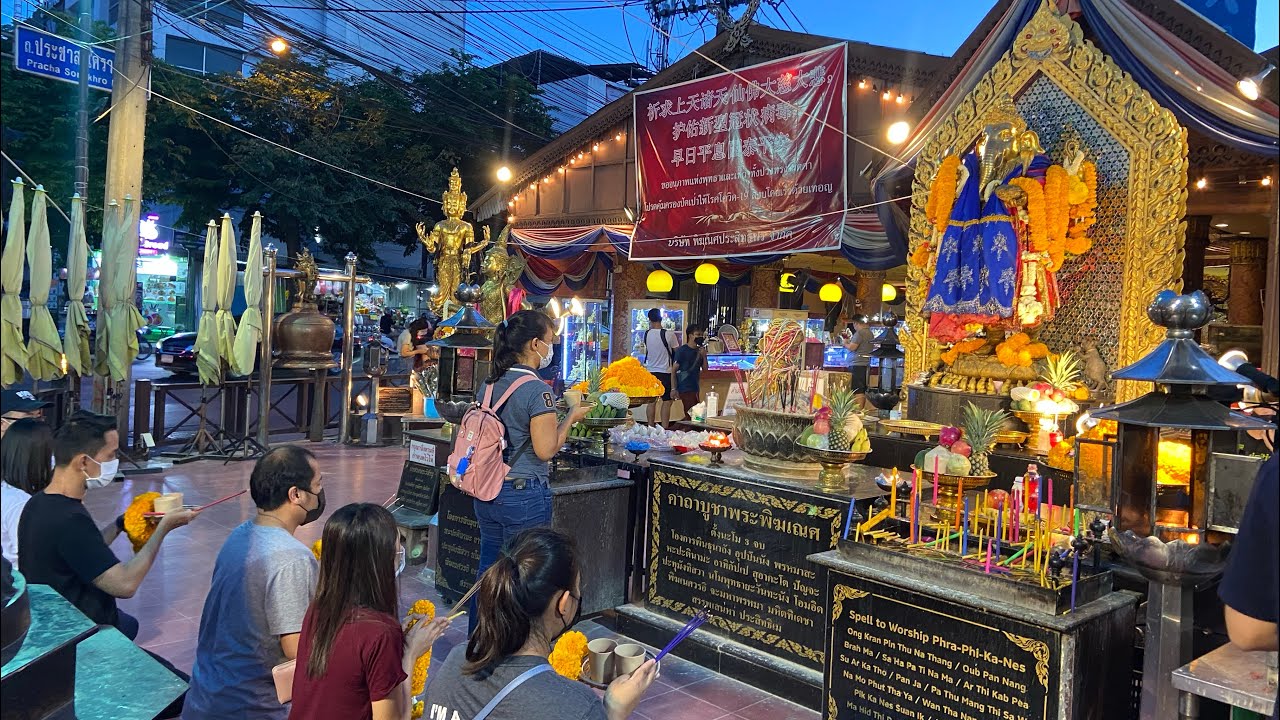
point(1250, 587)
point(64, 549)
point(690, 359)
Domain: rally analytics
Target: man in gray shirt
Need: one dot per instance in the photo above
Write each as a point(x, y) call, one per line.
point(262, 584)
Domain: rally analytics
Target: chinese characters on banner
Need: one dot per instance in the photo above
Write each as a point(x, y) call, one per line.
point(744, 163)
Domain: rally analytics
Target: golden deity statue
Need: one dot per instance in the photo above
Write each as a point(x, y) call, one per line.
point(453, 242)
point(500, 270)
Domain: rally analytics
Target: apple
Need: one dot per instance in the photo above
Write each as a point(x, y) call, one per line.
point(997, 499)
point(961, 447)
point(1057, 395)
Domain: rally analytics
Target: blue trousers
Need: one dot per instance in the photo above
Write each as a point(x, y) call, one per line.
point(503, 517)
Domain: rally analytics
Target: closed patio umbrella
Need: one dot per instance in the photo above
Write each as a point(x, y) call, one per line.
point(118, 316)
point(13, 351)
point(75, 338)
point(250, 330)
point(44, 347)
point(226, 291)
point(207, 361)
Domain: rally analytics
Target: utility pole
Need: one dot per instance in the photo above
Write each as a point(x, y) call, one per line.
point(128, 120)
point(82, 159)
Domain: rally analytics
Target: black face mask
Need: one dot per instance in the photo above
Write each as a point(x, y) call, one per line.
point(700, 341)
point(314, 513)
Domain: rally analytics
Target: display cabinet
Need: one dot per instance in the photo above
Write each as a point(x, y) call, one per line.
point(584, 340)
point(674, 315)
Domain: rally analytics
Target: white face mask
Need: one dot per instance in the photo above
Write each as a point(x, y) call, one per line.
point(545, 362)
point(106, 473)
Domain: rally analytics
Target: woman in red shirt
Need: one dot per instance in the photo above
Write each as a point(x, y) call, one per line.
point(353, 656)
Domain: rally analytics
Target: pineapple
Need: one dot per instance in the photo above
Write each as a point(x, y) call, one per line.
point(980, 429)
point(844, 407)
point(593, 384)
point(1062, 372)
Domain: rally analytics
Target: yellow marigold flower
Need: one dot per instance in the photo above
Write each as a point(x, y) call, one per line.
point(315, 549)
point(418, 682)
point(418, 709)
point(138, 528)
point(566, 657)
point(942, 193)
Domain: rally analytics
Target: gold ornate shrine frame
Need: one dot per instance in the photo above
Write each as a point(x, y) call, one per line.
point(1053, 45)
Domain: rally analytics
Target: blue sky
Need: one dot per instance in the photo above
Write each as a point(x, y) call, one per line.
point(616, 35)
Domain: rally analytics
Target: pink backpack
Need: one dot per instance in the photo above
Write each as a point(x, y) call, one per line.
point(475, 465)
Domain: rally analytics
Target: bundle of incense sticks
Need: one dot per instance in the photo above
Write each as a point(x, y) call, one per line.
point(698, 618)
point(742, 386)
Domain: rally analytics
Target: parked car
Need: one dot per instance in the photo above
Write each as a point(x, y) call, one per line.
point(177, 353)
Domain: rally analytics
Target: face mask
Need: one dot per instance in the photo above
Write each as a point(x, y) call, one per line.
point(106, 473)
point(314, 513)
point(577, 615)
point(700, 341)
point(545, 362)
point(400, 561)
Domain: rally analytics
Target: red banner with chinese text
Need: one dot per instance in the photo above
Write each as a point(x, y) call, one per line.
point(744, 163)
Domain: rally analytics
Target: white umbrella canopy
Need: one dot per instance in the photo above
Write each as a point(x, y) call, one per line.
point(207, 361)
point(75, 339)
point(13, 351)
point(44, 347)
point(226, 291)
point(110, 228)
point(122, 319)
point(250, 330)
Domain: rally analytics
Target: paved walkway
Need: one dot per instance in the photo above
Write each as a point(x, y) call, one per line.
point(170, 600)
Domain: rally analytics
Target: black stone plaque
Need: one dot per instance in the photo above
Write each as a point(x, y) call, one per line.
point(737, 549)
point(893, 654)
point(458, 553)
point(419, 488)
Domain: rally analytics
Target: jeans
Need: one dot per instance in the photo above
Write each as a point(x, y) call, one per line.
point(128, 626)
point(503, 517)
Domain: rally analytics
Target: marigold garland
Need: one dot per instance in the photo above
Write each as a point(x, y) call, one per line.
point(138, 528)
point(419, 681)
point(315, 549)
point(1037, 223)
point(1018, 350)
point(920, 256)
point(419, 708)
point(1057, 205)
point(942, 194)
point(627, 376)
point(566, 657)
point(964, 347)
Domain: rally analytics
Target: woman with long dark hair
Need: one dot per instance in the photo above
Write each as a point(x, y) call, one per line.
point(354, 659)
point(26, 465)
point(522, 344)
point(526, 600)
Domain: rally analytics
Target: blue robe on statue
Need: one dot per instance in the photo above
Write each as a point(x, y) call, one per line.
point(976, 274)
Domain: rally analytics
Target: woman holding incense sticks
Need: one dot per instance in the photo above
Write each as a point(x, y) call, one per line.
point(354, 657)
point(526, 600)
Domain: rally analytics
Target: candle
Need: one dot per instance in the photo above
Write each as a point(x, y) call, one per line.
point(987, 566)
point(1075, 576)
point(893, 493)
point(848, 519)
point(999, 520)
point(959, 494)
point(915, 514)
point(1050, 501)
point(964, 537)
point(1075, 522)
point(935, 481)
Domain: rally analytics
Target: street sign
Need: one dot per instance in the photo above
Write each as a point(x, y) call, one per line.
point(53, 56)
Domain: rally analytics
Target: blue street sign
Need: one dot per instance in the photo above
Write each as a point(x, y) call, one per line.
point(52, 56)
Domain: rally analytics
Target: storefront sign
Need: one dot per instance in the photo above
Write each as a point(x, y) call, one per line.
point(52, 56)
point(744, 163)
point(737, 550)
point(149, 242)
point(898, 655)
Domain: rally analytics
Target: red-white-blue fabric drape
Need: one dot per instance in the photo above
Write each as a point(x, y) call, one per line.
point(561, 243)
point(542, 276)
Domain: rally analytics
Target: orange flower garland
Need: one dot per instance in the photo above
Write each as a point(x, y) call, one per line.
point(566, 657)
point(964, 347)
point(315, 549)
point(138, 528)
point(1037, 222)
point(1056, 204)
point(942, 193)
point(1019, 351)
point(627, 376)
point(920, 256)
point(419, 681)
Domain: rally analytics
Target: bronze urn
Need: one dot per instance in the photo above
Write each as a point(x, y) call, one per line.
point(303, 337)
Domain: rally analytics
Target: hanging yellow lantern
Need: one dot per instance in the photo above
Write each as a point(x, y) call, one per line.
point(888, 293)
point(659, 281)
point(830, 292)
point(706, 274)
point(787, 283)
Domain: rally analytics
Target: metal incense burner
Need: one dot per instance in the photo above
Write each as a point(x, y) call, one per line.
point(466, 355)
point(1164, 531)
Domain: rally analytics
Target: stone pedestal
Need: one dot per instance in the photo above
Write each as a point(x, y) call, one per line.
point(1248, 278)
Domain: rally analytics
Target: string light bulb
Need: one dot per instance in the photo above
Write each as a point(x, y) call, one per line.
point(618, 137)
point(1202, 183)
point(561, 170)
point(886, 95)
point(1266, 181)
point(862, 84)
point(900, 98)
point(595, 148)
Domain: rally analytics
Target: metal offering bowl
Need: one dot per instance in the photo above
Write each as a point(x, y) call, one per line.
point(832, 477)
point(921, 428)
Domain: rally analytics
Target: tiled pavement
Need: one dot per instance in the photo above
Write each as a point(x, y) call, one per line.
point(170, 600)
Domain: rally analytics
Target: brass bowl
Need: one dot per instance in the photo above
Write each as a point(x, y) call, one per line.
point(832, 478)
point(1011, 437)
point(921, 428)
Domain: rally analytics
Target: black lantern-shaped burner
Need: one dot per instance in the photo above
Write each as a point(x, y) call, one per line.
point(466, 355)
point(892, 361)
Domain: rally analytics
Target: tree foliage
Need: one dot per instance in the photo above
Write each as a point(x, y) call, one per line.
point(405, 131)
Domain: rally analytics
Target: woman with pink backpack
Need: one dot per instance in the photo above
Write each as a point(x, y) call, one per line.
point(522, 344)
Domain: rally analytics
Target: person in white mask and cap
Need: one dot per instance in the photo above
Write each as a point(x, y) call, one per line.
point(61, 545)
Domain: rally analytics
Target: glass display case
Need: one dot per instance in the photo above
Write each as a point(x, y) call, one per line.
point(674, 316)
point(836, 356)
point(730, 361)
point(756, 320)
point(584, 342)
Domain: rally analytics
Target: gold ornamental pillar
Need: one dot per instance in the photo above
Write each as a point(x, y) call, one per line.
point(1248, 279)
point(764, 286)
point(628, 284)
point(868, 292)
